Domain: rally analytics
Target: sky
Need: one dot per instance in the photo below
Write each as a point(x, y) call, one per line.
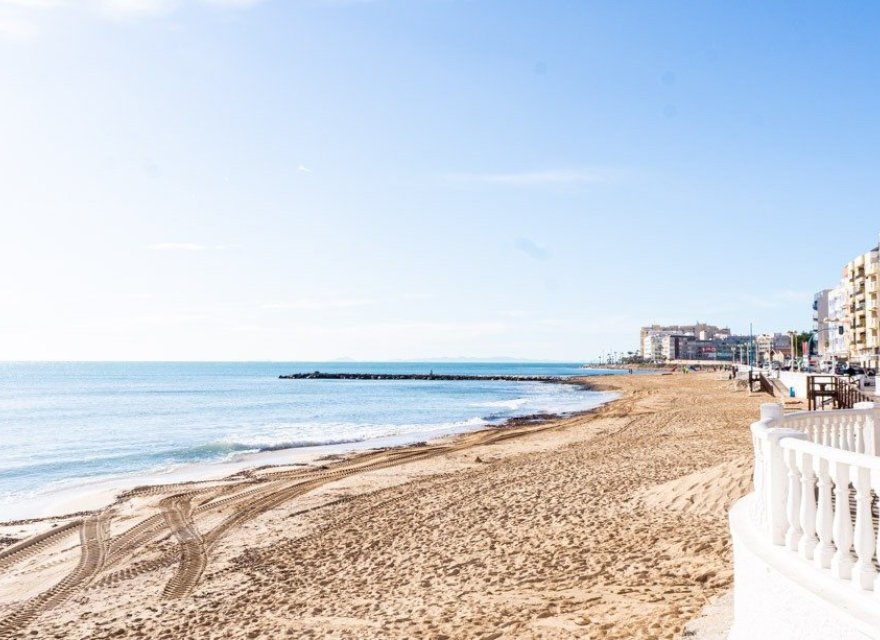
point(416, 179)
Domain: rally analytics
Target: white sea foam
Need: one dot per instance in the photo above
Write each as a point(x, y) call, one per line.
point(85, 423)
point(516, 403)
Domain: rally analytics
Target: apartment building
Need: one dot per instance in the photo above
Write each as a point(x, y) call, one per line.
point(862, 323)
point(656, 340)
point(837, 340)
point(773, 347)
point(691, 342)
point(820, 322)
point(846, 319)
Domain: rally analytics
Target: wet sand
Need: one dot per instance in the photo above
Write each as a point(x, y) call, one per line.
point(610, 524)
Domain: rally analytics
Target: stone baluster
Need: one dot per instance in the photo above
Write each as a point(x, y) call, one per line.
point(759, 505)
point(808, 540)
point(872, 431)
point(775, 479)
point(870, 424)
point(793, 501)
point(826, 431)
point(864, 540)
point(771, 413)
point(843, 559)
point(824, 516)
point(859, 439)
point(877, 545)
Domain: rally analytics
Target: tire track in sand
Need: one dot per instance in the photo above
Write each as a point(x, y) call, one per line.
point(93, 545)
point(178, 514)
point(34, 545)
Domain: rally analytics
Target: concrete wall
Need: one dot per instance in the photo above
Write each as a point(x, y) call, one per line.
point(795, 379)
point(798, 380)
point(779, 596)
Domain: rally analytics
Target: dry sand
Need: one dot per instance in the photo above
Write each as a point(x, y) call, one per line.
point(610, 524)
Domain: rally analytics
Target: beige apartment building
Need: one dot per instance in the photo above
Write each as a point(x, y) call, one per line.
point(655, 343)
point(861, 281)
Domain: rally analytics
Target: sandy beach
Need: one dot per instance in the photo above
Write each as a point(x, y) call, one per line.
point(609, 524)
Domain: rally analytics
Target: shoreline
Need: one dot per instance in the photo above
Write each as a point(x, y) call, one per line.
point(86, 496)
point(610, 523)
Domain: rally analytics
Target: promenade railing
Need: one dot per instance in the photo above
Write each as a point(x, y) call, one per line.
point(817, 482)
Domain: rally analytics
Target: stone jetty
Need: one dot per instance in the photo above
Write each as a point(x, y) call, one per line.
point(318, 375)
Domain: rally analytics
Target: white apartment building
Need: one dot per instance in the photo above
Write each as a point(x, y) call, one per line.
point(837, 345)
point(663, 345)
point(846, 319)
point(820, 322)
point(652, 347)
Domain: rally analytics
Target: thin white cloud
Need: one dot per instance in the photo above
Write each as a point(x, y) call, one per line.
point(546, 177)
point(31, 4)
point(135, 9)
point(303, 168)
point(414, 333)
point(125, 323)
point(19, 19)
point(186, 246)
point(308, 304)
point(24, 19)
point(237, 4)
point(17, 29)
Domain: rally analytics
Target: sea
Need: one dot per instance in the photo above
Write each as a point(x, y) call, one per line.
point(69, 425)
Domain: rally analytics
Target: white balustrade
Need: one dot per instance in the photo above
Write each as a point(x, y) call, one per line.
point(847, 429)
point(816, 479)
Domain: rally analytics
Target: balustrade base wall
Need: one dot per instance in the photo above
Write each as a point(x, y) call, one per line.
point(778, 596)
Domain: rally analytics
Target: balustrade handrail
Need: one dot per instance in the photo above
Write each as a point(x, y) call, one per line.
point(847, 429)
point(832, 454)
point(818, 416)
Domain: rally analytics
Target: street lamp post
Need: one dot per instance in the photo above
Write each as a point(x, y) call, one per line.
point(837, 326)
point(749, 354)
point(791, 335)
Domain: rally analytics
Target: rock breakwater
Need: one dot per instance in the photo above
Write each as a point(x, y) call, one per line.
point(318, 375)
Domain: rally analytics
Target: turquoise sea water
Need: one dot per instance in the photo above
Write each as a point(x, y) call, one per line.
point(63, 423)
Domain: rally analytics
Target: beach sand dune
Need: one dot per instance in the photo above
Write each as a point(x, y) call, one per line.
point(610, 524)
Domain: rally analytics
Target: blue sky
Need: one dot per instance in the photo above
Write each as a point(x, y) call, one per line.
point(237, 179)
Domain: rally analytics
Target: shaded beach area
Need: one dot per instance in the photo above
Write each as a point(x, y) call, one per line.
point(607, 524)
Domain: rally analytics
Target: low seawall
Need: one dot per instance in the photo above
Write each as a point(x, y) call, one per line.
point(317, 375)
